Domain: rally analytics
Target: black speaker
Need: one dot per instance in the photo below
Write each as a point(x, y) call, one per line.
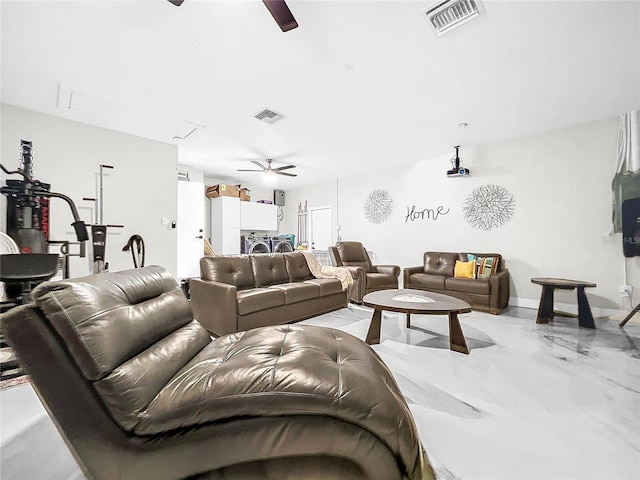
point(278, 197)
point(631, 227)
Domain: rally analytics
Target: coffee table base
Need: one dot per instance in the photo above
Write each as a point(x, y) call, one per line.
point(373, 335)
point(457, 342)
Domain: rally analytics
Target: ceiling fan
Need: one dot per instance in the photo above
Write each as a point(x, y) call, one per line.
point(279, 10)
point(269, 169)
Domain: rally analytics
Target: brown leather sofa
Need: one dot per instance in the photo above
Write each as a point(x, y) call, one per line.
point(139, 390)
point(436, 274)
point(366, 276)
point(236, 293)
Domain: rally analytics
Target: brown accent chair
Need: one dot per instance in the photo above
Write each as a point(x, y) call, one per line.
point(139, 390)
point(366, 277)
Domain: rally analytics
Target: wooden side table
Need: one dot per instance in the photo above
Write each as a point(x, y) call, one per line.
point(545, 310)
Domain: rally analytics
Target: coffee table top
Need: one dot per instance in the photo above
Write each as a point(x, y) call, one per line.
point(405, 300)
point(562, 282)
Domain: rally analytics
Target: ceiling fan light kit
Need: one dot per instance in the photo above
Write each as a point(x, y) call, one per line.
point(269, 169)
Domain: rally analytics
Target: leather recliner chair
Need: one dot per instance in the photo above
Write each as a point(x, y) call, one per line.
point(366, 277)
point(139, 390)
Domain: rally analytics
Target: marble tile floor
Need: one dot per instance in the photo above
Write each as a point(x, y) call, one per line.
point(529, 402)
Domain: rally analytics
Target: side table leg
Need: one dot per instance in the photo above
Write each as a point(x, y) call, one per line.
point(373, 335)
point(545, 310)
point(585, 317)
point(457, 342)
point(408, 320)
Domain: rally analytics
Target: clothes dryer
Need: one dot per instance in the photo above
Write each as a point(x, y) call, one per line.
point(281, 244)
point(251, 244)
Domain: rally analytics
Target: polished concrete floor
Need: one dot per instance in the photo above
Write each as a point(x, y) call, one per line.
point(529, 402)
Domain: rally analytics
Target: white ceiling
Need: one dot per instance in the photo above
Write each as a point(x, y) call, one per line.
point(362, 84)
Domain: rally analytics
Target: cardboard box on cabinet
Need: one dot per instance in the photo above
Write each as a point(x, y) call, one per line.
point(222, 189)
point(245, 195)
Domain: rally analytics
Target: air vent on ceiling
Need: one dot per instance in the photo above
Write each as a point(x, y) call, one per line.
point(269, 116)
point(446, 16)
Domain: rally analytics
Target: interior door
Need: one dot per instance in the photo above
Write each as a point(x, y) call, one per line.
point(190, 228)
point(320, 228)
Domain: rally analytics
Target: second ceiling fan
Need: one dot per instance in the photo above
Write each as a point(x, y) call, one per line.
point(270, 169)
point(278, 9)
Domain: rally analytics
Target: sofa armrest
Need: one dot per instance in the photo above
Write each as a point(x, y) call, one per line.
point(387, 269)
point(215, 305)
point(357, 289)
point(499, 291)
point(408, 271)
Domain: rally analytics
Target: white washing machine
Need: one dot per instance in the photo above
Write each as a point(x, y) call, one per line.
point(281, 244)
point(251, 244)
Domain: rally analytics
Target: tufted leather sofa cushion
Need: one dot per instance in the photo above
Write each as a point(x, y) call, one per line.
point(129, 333)
point(297, 267)
point(287, 370)
point(230, 270)
point(256, 299)
point(354, 254)
point(269, 269)
point(295, 292)
point(479, 286)
point(440, 263)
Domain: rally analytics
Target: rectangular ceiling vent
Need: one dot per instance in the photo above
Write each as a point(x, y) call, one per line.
point(269, 116)
point(451, 14)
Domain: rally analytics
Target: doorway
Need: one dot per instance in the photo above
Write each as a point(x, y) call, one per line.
point(320, 237)
point(190, 228)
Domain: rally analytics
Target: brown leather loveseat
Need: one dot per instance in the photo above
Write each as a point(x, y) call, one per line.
point(489, 291)
point(139, 389)
point(236, 293)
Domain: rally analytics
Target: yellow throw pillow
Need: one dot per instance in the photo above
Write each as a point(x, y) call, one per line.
point(465, 269)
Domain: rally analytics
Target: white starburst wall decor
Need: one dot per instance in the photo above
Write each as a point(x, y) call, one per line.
point(378, 206)
point(489, 207)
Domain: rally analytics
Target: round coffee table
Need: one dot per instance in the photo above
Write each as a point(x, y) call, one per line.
point(410, 301)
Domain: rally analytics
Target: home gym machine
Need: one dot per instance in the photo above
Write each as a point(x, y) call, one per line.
point(26, 261)
point(28, 225)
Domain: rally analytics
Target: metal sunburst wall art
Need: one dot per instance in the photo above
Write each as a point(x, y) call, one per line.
point(489, 207)
point(378, 206)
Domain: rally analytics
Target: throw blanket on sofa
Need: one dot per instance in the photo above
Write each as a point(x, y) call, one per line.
point(326, 271)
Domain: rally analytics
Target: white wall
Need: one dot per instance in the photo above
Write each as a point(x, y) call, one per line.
point(561, 181)
point(138, 192)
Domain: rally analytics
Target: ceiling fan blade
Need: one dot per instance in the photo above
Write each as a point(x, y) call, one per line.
point(177, 3)
point(286, 167)
point(259, 164)
point(281, 14)
point(243, 170)
point(284, 173)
